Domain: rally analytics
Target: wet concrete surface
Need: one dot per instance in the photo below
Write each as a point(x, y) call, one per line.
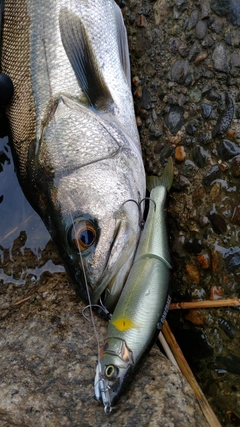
point(186, 80)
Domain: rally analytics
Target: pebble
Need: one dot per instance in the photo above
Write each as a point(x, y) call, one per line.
point(216, 292)
point(215, 190)
point(232, 259)
point(206, 110)
point(236, 215)
point(183, 50)
point(204, 261)
point(180, 153)
point(235, 166)
point(218, 222)
point(195, 95)
point(227, 149)
point(226, 327)
point(200, 58)
point(193, 274)
point(175, 119)
point(146, 99)
point(200, 156)
point(201, 29)
point(205, 8)
point(196, 317)
point(194, 52)
point(208, 41)
point(220, 7)
point(219, 57)
point(193, 19)
point(225, 118)
point(211, 175)
point(181, 72)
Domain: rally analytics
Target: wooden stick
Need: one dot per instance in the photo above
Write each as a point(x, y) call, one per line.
point(23, 300)
point(186, 371)
point(205, 304)
point(167, 350)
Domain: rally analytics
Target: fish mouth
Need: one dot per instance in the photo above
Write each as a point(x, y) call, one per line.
point(114, 275)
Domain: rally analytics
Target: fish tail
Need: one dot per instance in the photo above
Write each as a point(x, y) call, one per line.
point(166, 179)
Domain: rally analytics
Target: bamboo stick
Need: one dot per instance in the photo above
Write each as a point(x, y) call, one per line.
point(167, 349)
point(186, 371)
point(205, 304)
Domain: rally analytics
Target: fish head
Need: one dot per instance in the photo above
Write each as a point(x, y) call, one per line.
point(90, 175)
point(113, 372)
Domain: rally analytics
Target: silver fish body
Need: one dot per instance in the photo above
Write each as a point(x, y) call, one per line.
point(142, 306)
point(74, 133)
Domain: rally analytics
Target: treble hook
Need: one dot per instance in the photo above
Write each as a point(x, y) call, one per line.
point(141, 221)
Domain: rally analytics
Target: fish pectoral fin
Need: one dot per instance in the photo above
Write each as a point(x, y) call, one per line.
point(123, 44)
point(81, 56)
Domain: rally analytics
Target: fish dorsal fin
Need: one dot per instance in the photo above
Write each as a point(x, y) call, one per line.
point(123, 44)
point(81, 56)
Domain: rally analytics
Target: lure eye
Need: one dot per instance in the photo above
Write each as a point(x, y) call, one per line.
point(111, 372)
point(83, 235)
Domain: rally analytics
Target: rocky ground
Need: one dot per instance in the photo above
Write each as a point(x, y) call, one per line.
point(185, 58)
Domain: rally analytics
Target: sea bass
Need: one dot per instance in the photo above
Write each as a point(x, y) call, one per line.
point(74, 134)
point(143, 304)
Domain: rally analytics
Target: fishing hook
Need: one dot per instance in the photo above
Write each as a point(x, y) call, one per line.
point(141, 221)
point(101, 306)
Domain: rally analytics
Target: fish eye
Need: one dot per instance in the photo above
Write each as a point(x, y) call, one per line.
point(82, 235)
point(111, 371)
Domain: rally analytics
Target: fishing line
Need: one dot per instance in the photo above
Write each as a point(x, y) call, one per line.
point(81, 263)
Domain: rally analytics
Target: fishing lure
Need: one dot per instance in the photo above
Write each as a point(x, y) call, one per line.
point(144, 302)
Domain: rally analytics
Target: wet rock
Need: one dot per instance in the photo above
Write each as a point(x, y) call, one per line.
point(235, 59)
point(230, 362)
point(195, 95)
point(146, 99)
point(206, 110)
point(193, 19)
point(220, 7)
point(211, 175)
point(175, 119)
point(219, 58)
point(183, 50)
point(226, 327)
point(227, 149)
point(205, 8)
point(218, 222)
point(191, 129)
point(181, 72)
point(236, 215)
point(48, 361)
point(196, 317)
point(180, 153)
point(194, 246)
point(201, 29)
point(193, 274)
point(212, 95)
point(160, 10)
point(194, 52)
point(225, 118)
point(204, 261)
point(235, 166)
point(208, 41)
point(232, 258)
point(200, 156)
point(216, 292)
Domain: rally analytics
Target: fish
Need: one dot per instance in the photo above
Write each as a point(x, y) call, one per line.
point(144, 301)
point(74, 136)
